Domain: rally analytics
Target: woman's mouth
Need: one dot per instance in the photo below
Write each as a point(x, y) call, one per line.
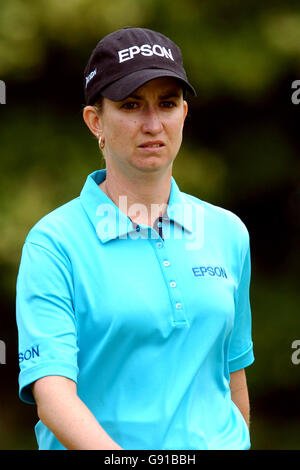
point(151, 145)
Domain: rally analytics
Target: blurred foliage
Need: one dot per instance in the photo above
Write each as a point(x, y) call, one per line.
point(226, 45)
point(240, 151)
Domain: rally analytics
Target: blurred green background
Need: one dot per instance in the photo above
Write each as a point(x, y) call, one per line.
point(240, 151)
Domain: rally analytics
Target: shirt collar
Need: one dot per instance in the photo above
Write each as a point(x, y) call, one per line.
point(180, 208)
point(110, 222)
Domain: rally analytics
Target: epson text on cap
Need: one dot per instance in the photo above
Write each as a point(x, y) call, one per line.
point(146, 50)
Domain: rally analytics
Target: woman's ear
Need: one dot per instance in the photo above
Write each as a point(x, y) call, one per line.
point(185, 109)
point(92, 120)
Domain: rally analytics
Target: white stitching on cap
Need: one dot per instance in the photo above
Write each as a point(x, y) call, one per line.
point(90, 76)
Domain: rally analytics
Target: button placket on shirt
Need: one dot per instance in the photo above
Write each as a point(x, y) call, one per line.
point(178, 314)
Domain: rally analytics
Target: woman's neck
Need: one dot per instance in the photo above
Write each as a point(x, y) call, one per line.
point(143, 200)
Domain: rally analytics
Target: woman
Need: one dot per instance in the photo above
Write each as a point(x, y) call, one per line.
point(133, 299)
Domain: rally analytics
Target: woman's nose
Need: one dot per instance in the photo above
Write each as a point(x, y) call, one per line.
point(152, 122)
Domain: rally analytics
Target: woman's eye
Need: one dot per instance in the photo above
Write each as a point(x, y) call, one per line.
point(130, 105)
point(168, 104)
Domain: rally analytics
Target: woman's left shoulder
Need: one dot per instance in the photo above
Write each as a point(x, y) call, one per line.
point(223, 220)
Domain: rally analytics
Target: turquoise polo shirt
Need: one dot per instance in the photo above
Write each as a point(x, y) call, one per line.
point(149, 322)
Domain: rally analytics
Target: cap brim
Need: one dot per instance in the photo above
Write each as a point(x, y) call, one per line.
point(125, 86)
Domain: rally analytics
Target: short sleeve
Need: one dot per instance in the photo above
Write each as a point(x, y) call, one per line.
point(45, 316)
point(241, 345)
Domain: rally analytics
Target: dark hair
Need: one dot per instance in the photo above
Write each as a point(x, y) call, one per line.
point(99, 104)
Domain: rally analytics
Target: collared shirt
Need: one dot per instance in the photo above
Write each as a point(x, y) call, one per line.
point(149, 322)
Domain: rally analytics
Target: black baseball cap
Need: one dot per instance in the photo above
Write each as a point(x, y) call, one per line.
point(128, 58)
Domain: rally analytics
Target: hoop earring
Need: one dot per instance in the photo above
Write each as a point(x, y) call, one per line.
point(101, 143)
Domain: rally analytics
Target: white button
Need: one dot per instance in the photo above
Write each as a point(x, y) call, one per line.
point(159, 244)
point(173, 284)
point(178, 305)
point(159, 224)
point(166, 263)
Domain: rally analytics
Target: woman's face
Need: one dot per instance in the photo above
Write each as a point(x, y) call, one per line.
point(143, 133)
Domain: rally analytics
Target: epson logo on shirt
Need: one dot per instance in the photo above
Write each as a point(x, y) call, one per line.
point(146, 50)
point(30, 353)
point(204, 271)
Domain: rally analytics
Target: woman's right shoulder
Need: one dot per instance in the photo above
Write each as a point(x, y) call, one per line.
point(56, 226)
